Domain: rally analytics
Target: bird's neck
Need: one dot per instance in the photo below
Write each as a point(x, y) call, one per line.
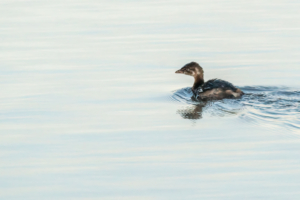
point(198, 81)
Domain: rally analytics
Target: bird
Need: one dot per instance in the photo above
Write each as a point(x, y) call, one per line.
point(214, 89)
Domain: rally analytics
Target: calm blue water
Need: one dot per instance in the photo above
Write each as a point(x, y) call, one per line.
point(91, 107)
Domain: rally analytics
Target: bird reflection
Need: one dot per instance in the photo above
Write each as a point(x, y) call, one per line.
point(195, 109)
point(192, 112)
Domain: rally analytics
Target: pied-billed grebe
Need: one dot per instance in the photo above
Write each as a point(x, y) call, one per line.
point(214, 89)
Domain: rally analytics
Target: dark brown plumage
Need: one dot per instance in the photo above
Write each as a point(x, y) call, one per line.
point(212, 89)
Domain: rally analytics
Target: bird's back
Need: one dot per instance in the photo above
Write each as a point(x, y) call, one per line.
point(218, 83)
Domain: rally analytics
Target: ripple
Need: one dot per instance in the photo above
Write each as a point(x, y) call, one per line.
point(261, 105)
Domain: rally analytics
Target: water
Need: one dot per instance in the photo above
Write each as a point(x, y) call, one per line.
point(91, 107)
point(272, 106)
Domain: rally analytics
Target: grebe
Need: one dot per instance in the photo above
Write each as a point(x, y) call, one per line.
point(214, 89)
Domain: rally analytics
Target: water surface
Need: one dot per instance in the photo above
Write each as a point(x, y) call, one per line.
point(91, 108)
